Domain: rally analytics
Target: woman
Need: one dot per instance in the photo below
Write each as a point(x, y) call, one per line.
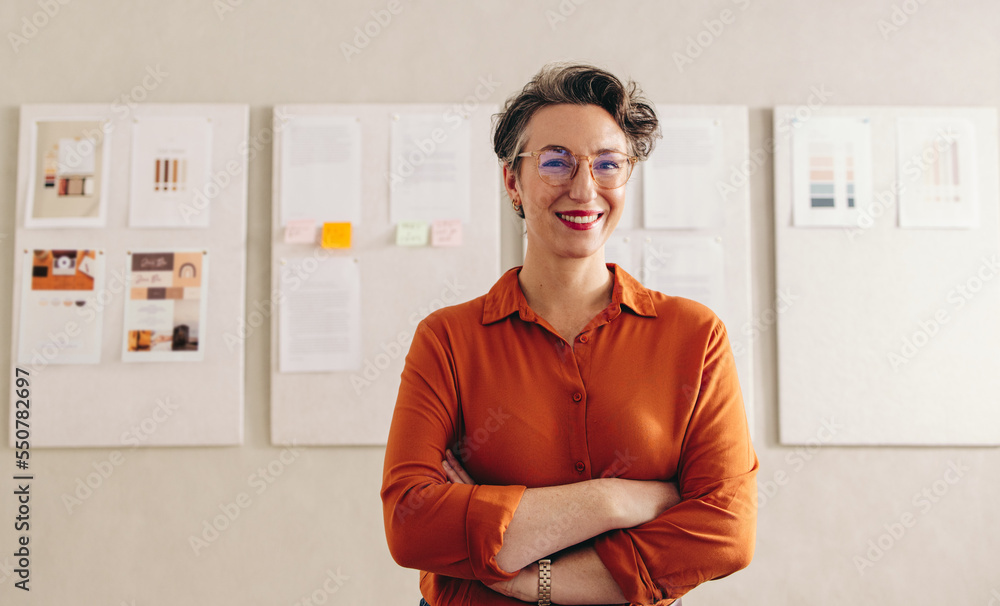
point(571, 436)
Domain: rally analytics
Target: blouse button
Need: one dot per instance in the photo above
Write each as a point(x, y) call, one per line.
point(577, 397)
point(581, 466)
point(583, 338)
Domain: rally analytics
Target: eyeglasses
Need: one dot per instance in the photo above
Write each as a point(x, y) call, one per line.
point(557, 166)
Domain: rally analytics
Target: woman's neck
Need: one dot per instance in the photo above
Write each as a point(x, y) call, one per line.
point(563, 284)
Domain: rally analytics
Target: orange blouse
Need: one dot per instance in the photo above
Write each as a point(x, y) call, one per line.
point(647, 391)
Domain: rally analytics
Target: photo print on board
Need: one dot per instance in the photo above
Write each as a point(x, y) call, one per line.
point(60, 316)
point(68, 168)
point(166, 308)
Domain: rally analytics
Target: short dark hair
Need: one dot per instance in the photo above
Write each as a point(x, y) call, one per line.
point(577, 84)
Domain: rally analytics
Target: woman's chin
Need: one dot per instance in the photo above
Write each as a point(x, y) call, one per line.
point(581, 252)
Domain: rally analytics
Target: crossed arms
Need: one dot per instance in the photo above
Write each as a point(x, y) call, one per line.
point(578, 575)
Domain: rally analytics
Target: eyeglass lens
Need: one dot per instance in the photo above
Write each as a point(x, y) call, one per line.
point(557, 166)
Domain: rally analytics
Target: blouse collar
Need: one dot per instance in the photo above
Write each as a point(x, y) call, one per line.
point(506, 297)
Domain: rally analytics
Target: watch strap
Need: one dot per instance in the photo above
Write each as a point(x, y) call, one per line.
point(544, 582)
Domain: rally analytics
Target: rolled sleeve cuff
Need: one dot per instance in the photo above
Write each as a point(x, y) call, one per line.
point(490, 511)
point(622, 560)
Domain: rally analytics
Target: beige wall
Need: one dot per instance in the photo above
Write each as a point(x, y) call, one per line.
point(128, 542)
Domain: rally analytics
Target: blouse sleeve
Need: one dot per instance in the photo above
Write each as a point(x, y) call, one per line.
point(450, 529)
point(711, 532)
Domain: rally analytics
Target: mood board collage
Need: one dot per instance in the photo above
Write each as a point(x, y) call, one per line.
point(119, 217)
point(129, 246)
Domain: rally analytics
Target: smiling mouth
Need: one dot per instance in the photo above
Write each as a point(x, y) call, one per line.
point(578, 221)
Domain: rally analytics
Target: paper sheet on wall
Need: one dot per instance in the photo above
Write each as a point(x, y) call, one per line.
point(166, 307)
point(831, 171)
point(429, 166)
point(321, 169)
point(938, 181)
point(687, 266)
point(682, 175)
point(69, 168)
point(171, 171)
point(61, 316)
point(319, 326)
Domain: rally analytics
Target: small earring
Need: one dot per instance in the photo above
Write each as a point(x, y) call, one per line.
point(517, 207)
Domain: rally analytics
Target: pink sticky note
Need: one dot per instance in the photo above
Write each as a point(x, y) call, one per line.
point(446, 232)
point(300, 231)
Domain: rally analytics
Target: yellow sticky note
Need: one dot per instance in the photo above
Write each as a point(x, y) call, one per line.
point(412, 233)
point(336, 235)
point(446, 232)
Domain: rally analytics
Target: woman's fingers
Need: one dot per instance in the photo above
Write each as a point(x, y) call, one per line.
point(454, 470)
point(453, 461)
point(450, 472)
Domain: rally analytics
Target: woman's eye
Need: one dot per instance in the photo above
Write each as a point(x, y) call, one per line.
point(556, 163)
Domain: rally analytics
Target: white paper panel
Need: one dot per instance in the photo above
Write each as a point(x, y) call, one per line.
point(879, 338)
point(399, 284)
point(115, 403)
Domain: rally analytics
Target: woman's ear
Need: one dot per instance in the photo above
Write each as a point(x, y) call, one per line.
point(511, 185)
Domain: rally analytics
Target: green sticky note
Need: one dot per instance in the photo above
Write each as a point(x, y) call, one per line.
point(412, 233)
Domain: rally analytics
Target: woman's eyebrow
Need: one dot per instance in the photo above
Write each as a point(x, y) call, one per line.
point(600, 151)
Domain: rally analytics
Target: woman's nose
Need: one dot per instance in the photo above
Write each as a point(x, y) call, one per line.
point(583, 188)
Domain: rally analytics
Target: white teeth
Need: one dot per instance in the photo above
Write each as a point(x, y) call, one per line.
point(581, 219)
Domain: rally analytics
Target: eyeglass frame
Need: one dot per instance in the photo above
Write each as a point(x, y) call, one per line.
point(578, 157)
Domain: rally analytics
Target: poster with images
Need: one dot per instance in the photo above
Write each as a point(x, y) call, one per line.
point(166, 306)
point(68, 173)
point(61, 316)
point(171, 167)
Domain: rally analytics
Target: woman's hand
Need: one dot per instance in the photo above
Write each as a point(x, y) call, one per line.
point(454, 470)
point(523, 587)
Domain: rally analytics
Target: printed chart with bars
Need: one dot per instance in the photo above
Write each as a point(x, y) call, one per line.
point(171, 166)
point(170, 174)
point(937, 161)
point(831, 170)
point(940, 179)
point(822, 174)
